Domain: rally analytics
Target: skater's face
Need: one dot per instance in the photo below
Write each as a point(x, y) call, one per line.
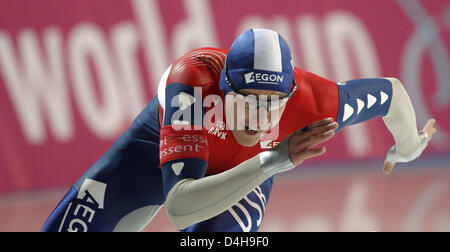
point(254, 115)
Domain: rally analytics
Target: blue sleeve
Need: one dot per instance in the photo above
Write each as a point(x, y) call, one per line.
point(363, 99)
point(177, 170)
point(184, 150)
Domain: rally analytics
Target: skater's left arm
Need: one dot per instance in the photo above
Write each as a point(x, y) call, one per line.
point(364, 99)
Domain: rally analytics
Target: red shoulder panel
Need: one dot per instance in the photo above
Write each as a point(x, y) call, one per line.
point(315, 99)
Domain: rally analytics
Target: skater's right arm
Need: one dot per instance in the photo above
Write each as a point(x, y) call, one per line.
point(192, 200)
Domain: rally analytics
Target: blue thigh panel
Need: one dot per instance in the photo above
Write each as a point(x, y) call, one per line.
point(124, 179)
point(244, 216)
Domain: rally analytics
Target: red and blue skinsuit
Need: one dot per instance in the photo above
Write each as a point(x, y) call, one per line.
point(138, 170)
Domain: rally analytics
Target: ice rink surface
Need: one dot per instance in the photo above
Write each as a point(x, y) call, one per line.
point(341, 197)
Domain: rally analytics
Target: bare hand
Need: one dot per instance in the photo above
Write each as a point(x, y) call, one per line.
point(301, 143)
point(428, 129)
